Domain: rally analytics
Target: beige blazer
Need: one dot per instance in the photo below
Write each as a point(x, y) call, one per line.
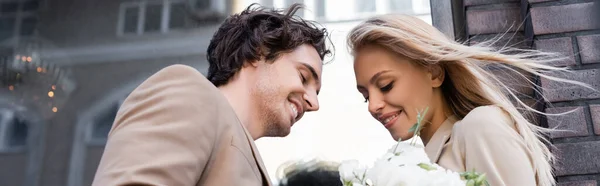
point(486, 141)
point(177, 129)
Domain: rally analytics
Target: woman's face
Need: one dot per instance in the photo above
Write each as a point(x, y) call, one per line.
point(395, 88)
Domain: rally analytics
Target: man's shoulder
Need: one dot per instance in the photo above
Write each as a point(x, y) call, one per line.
point(183, 76)
point(182, 71)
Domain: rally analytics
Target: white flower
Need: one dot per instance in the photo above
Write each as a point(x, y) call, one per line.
point(352, 171)
point(443, 177)
point(385, 174)
point(403, 165)
point(406, 154)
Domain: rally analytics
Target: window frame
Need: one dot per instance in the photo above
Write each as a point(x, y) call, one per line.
point(165, 15)
point(5, 129)
point(18, 17)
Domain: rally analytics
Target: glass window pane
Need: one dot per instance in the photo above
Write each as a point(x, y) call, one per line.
point(28, 26)
point(18, 133)
point(203, 4)
point(401, 6)
point(30, 5)
point(365, 6)
point(320, 6)
point(131, 20)
point(289, 3)
point(153, 17)
point(9, 7)
point(104, 122)
point(7, 27)
point(177, 15)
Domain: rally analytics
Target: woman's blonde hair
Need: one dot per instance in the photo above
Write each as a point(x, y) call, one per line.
point(468, 82)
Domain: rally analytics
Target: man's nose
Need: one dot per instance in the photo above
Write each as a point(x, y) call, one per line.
point(312, 101)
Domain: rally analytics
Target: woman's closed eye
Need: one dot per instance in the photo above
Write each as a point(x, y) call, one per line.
point(387, 87)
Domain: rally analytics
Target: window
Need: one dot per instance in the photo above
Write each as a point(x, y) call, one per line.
point(13, 129)
point(30, 5)
point(131, 17)
point(7, 27)
point(177, 15)
point(104, 121)
point(9, 7)
point(17, 18)
point(156, 16)
point(153, 17)
point(365, 6)
point(28, 26)
point(320, 9)
point(203, 4)
point(289, 3)
point(401, 6)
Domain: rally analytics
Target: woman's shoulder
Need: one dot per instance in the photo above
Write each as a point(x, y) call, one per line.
point(485, 120)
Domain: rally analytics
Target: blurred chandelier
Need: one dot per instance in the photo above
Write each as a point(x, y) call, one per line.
point(29, 80)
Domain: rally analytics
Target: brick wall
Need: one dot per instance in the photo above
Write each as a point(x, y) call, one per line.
point(570, 27)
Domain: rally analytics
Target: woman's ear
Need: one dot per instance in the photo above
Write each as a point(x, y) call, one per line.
point(437, 75)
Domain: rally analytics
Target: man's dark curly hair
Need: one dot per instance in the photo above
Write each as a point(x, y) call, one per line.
point(256, 34)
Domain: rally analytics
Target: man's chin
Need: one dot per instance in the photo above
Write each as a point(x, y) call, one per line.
point(280, 131)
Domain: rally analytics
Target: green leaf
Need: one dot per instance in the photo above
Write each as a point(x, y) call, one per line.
point(413, 128)
point(426, 166)
point(470, 183)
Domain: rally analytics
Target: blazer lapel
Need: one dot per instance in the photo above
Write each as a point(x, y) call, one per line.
point(257, 158)
point(437, 142)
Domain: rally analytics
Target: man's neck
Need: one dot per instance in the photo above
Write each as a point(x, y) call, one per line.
point(236, 93)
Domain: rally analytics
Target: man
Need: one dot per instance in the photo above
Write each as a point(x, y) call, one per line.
point(179, 128)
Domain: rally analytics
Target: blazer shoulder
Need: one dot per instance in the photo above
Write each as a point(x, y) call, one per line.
point(484, 120)
point(179, 70)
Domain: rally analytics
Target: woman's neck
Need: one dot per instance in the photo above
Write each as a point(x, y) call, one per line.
point(438, 116)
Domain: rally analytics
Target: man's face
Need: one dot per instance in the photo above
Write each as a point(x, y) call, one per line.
point(286, 88)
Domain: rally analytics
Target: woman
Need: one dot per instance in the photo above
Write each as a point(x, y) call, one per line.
point(403, 66)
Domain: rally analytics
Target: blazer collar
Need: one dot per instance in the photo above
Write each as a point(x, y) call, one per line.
point(438, 140)
point(257, 158)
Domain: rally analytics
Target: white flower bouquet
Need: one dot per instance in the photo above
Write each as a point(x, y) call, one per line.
point(406, 164)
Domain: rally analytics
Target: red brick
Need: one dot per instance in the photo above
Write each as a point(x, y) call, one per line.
point(494, 21)
point(595, 111)
point(563, 18)
point(562, 45)
point(577, 158)
point(485, 2)
point(570, 125)
point(579, 183)
point(558, 91)
point(589, 48)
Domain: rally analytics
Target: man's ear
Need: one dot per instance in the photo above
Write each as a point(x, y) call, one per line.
point(437, 75)
point(252, 63)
